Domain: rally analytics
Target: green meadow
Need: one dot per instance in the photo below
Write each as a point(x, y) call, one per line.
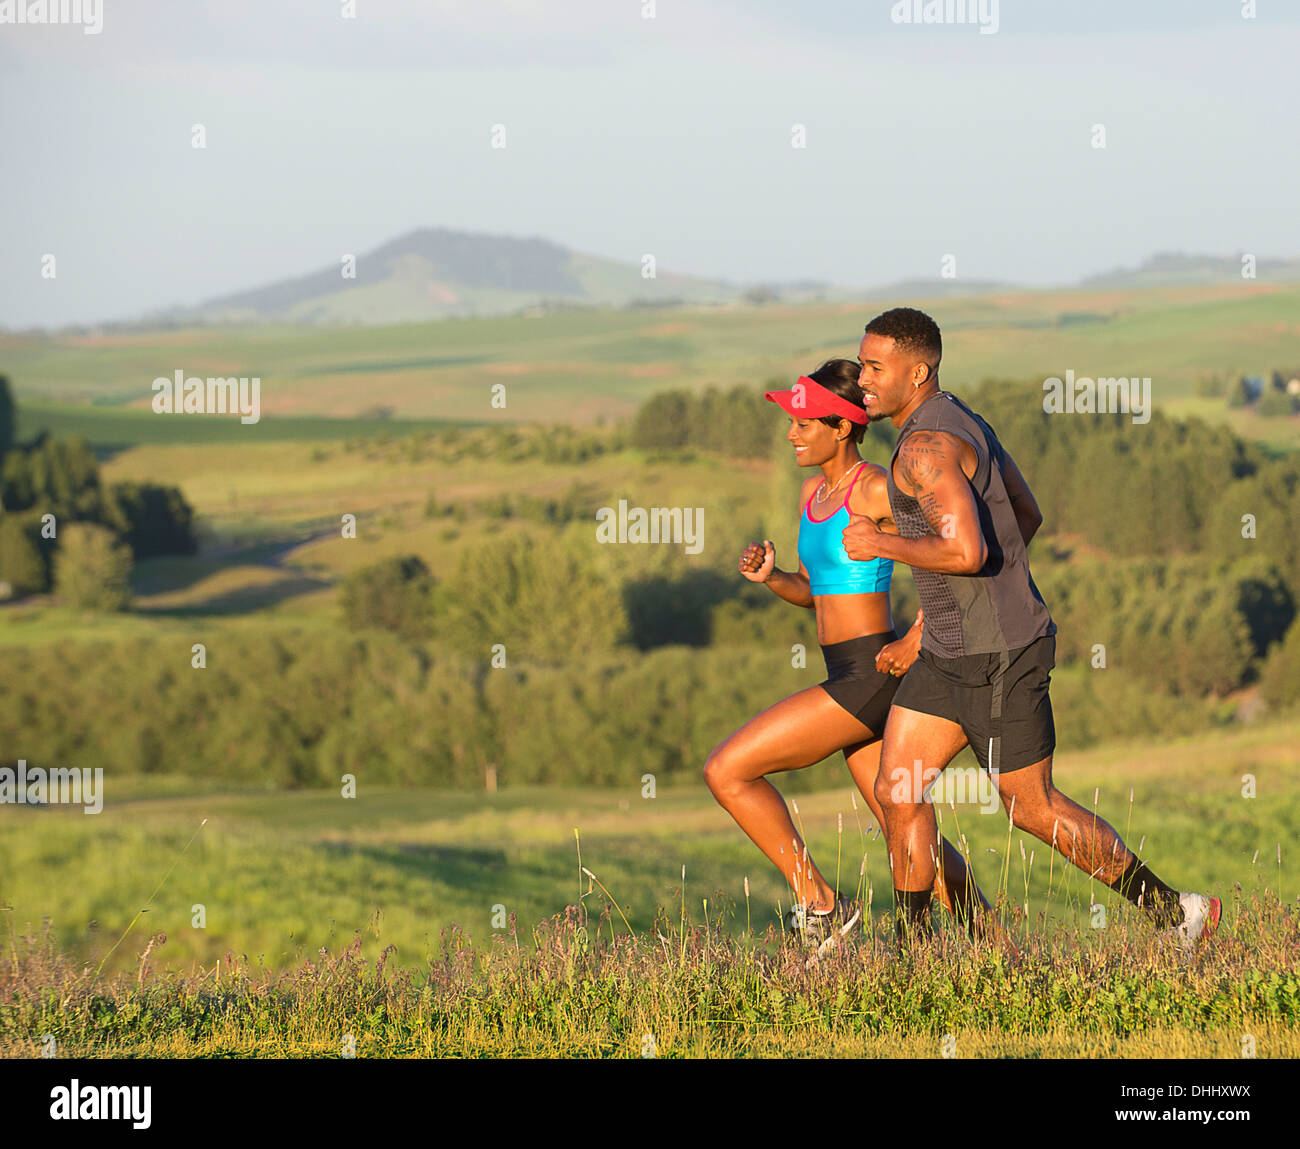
point(282, 874)
point(578, 366)
point(279, 906)
point(325, 916)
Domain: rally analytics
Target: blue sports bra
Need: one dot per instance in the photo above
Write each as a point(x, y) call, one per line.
point(830, 570)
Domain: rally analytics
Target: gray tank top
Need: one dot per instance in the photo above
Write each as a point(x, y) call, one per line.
point(998, 609)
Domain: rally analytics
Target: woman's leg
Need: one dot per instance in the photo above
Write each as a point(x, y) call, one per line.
point(797, 732)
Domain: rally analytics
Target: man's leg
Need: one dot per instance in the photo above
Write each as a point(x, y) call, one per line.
point(916, 749)
point(1085, 839)
point(954, 883)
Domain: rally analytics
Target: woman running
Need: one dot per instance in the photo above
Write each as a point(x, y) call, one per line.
point(864, 657)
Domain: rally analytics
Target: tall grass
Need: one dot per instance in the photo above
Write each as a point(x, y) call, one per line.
point(584, 985)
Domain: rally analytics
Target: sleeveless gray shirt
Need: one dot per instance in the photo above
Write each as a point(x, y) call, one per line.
point(998, 609)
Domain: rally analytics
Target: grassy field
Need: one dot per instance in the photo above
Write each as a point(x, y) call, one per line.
point(114, 429)
point(282, 874)
point(270, 514)
point(576, 367)
point(690, 992)
point(455, 884)
point(440, 876)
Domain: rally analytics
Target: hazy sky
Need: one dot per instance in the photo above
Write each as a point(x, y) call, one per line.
point(627, 135)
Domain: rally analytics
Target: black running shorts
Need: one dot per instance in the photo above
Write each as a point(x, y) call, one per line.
point(855, 683)
point(1000, 701)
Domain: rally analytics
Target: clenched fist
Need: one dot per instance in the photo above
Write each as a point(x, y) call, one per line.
point(895, 657)
point(859, 537)
point(758, 561)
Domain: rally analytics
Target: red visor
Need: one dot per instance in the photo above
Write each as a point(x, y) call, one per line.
point(808, 399)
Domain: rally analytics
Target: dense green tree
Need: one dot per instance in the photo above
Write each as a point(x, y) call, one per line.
point(1275, 404)
point(393, 594)
point(1180, 625)
point(1279, 682)
point(7, 417)
point(92, 570)
point(151, 519)
point(55, 476)
point(662, 421)
point(536, 595)
point(23, 566)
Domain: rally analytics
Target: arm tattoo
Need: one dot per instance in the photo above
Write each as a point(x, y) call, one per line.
point(933, 511)
point(922, 459)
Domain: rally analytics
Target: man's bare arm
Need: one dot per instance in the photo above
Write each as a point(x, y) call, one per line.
point(929, 469)
point(1028, 517)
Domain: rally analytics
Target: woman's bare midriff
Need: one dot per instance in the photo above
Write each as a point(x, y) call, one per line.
point(841, 617)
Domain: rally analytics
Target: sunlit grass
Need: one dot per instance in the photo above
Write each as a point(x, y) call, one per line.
point(583, 986)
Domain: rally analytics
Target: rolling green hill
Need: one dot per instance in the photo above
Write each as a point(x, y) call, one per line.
point(436, 273)
point(576, 367)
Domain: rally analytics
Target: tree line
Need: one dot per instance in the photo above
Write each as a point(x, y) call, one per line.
point(549, 659)
point(60, 524)
point(303, 707)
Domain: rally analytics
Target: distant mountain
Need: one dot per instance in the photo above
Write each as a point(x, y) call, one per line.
point(1176, 269)
point(905, 289)
point(435, 273)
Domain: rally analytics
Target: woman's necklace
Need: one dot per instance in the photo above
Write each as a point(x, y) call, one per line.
point(822, 497)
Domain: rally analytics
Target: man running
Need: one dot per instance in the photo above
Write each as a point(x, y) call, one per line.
point(965, 516)
point(864, 661)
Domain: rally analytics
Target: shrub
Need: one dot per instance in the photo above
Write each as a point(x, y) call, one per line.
point(22, 564)
point(394, 594)
point(92, 570)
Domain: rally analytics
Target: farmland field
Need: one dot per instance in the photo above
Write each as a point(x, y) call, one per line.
point(575, 367)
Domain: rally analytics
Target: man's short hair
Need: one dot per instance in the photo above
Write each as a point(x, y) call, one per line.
point(911, 330)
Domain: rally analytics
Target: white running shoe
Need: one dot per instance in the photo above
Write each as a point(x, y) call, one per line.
point(823, 932)
point(1200, 918)
point(815, 929)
